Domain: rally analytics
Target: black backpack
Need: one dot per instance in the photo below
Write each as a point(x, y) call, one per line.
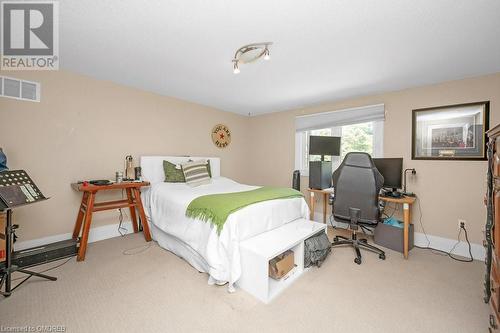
point(316, 249)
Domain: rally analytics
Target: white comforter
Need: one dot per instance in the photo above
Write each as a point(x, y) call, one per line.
point(168, 202)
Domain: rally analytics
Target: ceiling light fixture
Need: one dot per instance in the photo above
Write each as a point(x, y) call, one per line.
point(266, 54)
point(249, 53)
point(236, 69)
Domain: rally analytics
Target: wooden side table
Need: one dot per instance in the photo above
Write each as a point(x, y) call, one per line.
point(88, 206)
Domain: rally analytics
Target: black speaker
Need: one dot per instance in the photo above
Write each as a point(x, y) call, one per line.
point(137, 173)
point(296, 180)
point(320, 174)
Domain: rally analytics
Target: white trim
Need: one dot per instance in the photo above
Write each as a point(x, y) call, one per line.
point(299, 153)
point(378, 139)
point(357, 108)
point(111, 230)
point(96, 234)
point(446, 244)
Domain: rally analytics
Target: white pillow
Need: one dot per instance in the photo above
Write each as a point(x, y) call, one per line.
point(196, 173)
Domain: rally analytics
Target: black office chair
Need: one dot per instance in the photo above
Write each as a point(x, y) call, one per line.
point(357, 184)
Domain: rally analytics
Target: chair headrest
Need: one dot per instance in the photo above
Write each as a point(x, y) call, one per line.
point(358, 159)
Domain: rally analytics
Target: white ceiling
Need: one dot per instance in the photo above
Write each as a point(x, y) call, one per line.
point(323, 50)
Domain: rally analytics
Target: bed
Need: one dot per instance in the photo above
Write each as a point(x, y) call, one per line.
point(198, 242)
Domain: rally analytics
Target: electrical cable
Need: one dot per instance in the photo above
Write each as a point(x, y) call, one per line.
point(140, 249)
point(396, 208)
point(120, 227)
point(120, 219)
point(468, 243)
point(441, 252)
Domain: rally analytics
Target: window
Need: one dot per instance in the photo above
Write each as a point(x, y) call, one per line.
point(364, 136)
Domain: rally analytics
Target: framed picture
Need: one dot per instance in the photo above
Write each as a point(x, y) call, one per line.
point(452, 132)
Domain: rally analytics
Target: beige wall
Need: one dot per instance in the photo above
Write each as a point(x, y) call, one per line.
point(448, 190)
point(83, 129)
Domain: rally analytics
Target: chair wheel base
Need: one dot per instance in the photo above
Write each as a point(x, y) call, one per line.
point(382, 256)
point(357, 261)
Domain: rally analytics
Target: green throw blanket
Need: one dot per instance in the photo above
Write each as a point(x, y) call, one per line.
point(216, 208)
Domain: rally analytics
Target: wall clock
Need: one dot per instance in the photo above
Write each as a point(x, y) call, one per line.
point(221, 136)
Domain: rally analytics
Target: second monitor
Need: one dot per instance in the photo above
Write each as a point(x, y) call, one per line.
point(324, 145)
point(392, 170)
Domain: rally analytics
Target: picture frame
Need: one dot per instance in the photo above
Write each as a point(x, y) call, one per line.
point(451, 132)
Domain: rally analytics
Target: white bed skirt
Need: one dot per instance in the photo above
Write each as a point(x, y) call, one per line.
point(184, 251)
point(179, 248)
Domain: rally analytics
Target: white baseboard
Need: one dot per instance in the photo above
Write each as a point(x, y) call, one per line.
point(111, 230)
point(96, 234)
point(439, 243)
point(446, 244)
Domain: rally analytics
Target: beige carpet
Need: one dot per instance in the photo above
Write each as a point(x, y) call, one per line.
point(155, 291)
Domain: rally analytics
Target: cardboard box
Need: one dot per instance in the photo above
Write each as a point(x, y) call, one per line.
point(281, 265)
point(2, 236)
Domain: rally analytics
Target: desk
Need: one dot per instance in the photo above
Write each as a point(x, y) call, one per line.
point(407, 203)
point(88, 206)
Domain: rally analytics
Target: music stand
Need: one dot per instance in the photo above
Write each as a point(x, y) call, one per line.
point(16, 189)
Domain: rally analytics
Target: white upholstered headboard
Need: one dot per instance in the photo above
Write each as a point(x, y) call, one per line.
point(152, 166)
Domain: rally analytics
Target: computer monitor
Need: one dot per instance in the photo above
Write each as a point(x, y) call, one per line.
point(324, 145)
point(392, 170)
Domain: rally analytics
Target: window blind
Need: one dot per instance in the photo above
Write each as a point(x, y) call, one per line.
point(340, 118)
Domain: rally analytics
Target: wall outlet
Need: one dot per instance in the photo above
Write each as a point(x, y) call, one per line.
point(461, 223)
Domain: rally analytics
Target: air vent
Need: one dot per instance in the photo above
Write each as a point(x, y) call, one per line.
point(19, 89)
point(12, 88)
